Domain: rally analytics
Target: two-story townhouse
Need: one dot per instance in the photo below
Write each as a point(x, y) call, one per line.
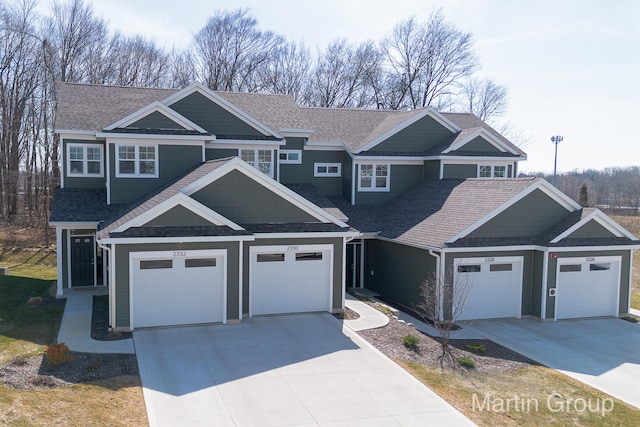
point(196, 206)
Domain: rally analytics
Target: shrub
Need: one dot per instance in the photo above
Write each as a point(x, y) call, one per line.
point(57, 354)
point(477, 348)
point(466, 362)
point(410, 341)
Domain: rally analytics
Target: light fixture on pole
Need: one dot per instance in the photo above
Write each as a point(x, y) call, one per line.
point(556, 140)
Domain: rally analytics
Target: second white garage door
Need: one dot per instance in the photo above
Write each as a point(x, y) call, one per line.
point(177, 287)
point(493, 287)
point(587, 287)
point(290, 279)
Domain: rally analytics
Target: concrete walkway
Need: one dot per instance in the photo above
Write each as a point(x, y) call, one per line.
point(371, 318)
point(75, 328)
point(634, 312)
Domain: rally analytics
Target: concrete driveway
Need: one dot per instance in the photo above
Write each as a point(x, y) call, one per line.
point(280, 370)
point(603, 353)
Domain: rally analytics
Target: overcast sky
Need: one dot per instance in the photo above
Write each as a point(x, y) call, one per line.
point(572, 67)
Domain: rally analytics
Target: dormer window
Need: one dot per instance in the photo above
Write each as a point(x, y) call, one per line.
point(373, 177)
point(490, 171)
point(84, 160)
point(139, 161)
point(259, 159)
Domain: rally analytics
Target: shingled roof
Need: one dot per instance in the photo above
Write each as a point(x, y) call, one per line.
point(94, 107)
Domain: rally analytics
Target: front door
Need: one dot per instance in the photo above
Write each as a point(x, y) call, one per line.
point(82, 260)
point(353, 265)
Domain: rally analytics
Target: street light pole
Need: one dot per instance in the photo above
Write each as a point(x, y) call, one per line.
point(556, 140)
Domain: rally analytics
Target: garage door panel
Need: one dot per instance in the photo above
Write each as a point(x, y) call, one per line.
point(178, 295)
point(493, 287)
point(587, 288)
point(298, 282)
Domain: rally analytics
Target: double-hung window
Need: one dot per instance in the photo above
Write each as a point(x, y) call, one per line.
point(373, 177)
point(137, 161)
point(487, 171)
point(84, 160)
point(259, 159)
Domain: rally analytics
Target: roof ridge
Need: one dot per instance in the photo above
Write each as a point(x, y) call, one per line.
point(120, 86)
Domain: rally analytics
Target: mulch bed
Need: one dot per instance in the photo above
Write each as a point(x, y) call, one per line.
point(389, 340)
point(100, 321)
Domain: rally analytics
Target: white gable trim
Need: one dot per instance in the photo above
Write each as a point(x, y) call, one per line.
point(274, 186)
point(487, 136)
point(219, 100)
point(428, 111)
point(156, 107)
point(540, 184)
point(599, 217)
point(184, 201)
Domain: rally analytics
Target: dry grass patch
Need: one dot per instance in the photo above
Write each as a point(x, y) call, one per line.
point(539, 397)
point(115, 401)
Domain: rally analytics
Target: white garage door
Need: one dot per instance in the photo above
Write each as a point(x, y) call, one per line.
point(290, 279)
point(587, 287)
point(493, 287)
point(177, 287)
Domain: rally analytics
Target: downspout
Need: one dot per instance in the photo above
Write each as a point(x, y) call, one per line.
point(111, 287)
point(439, 281)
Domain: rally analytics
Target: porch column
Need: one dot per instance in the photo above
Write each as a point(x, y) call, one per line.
point(59, 261)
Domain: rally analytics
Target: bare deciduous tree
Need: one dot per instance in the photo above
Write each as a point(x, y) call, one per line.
point(441, 304)
point(485, 98)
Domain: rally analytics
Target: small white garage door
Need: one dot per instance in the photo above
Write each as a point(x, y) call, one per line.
point(290, 279)
point(493, 287)
point(177, 287)
point(587, 287)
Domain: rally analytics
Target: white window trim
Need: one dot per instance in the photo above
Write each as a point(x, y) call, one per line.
point(255, 152)
point(85, 165)
point(287, 161)
point(373, 188)
point(136, 161)
point(493, 170)
point(327, 174)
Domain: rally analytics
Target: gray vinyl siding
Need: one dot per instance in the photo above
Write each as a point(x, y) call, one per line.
point(347, 177)
point(173, 161)
point(591, 229)
point(155, 120)
point(417, 137)
point(402, 178)
point(122, 274)
point(303, 173)
point(432, 170)
point(178, 216)
point(244, 201)
point(65, 259)
point(531, 216)
point(624, 277)
point(459, 171)
point(82, 181)
point(537, 284)
point(219, 153)
point(397, 271)
point(338, 247)
point(294, 143)
point(210, 116)
point(531, 276)
point(479, 145)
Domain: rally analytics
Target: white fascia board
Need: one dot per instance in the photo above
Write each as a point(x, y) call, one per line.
point(191, 239)
point(234, 143)
point(72, 134)
point(295, 132)
point(217, 99)
point(279, 189)
point(166, 139)
point(159, 108)
point(80, 224)
point(428, 111)
point(476, 159)
point(184, 201)
point(541, 184)
point(311, 235)
point(602, 219)
point(593, 248)
point(325, 146)
point(487, 136)
point(497, 249)
point(393, 160)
